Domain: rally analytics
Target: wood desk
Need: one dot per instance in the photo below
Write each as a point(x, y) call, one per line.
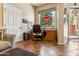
point(51, 35)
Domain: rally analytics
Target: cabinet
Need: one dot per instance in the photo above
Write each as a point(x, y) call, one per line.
point(51, 35)
point(73, 29)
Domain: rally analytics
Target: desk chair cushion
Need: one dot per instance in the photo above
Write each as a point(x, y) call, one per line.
point(37, 29)
point(37, 34)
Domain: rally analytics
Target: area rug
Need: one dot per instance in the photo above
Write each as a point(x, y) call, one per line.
point(18, 52)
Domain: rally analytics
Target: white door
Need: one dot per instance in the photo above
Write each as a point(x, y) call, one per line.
point(12, 20)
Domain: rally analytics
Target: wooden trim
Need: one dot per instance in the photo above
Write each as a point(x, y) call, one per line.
point(2, 14)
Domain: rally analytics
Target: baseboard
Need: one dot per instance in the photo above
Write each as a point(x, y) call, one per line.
point(60, 43)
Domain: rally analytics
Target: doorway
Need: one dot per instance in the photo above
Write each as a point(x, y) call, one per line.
point(73, 23)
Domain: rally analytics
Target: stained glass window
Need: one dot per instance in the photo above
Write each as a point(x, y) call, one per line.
point(48, 18)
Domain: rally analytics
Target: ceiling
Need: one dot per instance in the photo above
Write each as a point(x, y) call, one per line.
point(69, 4)
point(65, 4)
point(21, 5)
point(37, 4)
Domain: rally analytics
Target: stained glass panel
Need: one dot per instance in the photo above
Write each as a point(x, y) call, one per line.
point(48, 18)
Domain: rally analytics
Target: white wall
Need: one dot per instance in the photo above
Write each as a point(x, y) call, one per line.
point(28, 10)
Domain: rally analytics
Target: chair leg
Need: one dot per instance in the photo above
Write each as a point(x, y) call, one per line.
point(25, 44)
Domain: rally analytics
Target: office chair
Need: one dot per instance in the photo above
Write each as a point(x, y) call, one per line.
point(37, 32)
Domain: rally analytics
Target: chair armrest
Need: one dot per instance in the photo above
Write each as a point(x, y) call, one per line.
point(11, 39)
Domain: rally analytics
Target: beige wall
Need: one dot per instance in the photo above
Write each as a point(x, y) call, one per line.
point(29, 13)
point(1, 14)
point(43, 7)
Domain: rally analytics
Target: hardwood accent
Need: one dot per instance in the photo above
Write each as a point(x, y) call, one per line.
point(51, 35)
point(49, 48)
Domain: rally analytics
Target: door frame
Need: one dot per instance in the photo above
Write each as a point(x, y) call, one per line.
point(68, 21)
